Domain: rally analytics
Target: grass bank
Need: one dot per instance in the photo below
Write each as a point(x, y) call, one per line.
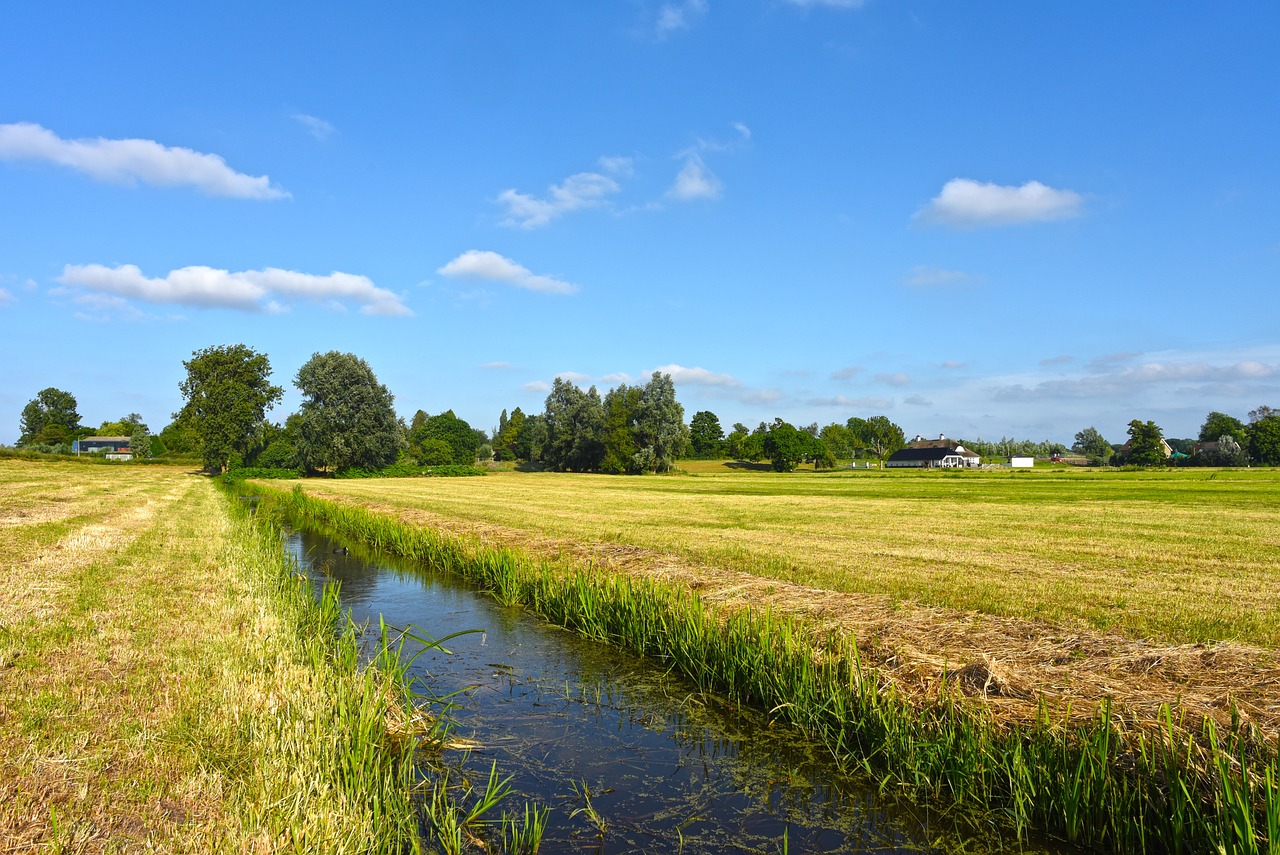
point(167, 682)
point(1184, 787)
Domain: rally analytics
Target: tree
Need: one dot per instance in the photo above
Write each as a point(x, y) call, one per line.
point(140, 442)
point(1091, 444)
point(621, 416)
point(179, 437)
point(1146, 444)
point(878, 435)
point(837, 440)
point(1219, 424)
point(49, 408)
point(458, 437)
point(1264, 435)
point(227, 393)
point(660, 427)
point(706, 437)
point(347, 416)
point(575, 428)
point(507, 441)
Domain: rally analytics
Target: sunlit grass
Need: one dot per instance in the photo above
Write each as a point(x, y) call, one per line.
point(1178, 556)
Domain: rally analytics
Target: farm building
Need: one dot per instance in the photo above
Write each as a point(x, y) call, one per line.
point(1164, 446)
point(940, 453)
point(114, 447)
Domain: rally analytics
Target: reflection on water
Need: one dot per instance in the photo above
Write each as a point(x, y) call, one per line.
point(669, 768)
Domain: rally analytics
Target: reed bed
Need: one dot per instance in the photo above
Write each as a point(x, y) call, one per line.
point(1185, 787)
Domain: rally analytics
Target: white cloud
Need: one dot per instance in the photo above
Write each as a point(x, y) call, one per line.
point(486, 266)
point(844, 402)
point(537, 386)
point(917, 401)
point(6, 298)
point(965, 203)
point(584, 190)
point(622, 166)
point(574, 377)
point(695, 181)
point(924, 276)
point(249, 290)
point(131, 160)
point(743, 130)
point(317, 127)
point(847, 373)
point(1147, 379)
point(673, 17)
point(698, 377)
point(616, 377)
point(896, 378)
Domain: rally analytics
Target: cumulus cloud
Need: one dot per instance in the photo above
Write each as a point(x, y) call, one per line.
point(616, 377)
point(924, 276)
point(695, 181)
point(247, 291)
point(481, 265)
point(682, 376)
point(965, 203)
point(317, 127)
point(584, 190)
point(537, 386)
point(574, 377)
point(674, 17)
point(621, 166)
point(128, 161)
point(895, 378)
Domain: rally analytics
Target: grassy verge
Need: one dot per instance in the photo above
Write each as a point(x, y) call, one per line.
point(167, 683)
point(1182, 787)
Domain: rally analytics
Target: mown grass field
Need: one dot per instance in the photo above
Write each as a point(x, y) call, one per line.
point(167, 683)
point(1175, 556)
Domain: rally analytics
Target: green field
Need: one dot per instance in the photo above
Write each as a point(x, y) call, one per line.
point(1174, 556)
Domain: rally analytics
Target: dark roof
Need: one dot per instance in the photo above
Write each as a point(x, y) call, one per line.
point(915, 451)
point(124, 439)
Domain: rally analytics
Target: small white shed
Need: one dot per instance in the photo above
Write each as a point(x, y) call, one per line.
point(1022, 462)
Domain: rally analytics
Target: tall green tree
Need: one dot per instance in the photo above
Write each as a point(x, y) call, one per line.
point(706, 437)
point(441, 436)
point(787, 447)
point(1264, 435)
point(507, 442)
point(347, 416)
point(660, 429)
point(622, 406)
point(1146, 444)
point(1217, 425)
point(1090, 443)
point(575, 428)
point(228, 392)
point(51, 411)
point(877, 435)
point(837, 440)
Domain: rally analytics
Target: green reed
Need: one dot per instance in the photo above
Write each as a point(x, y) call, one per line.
point(1177, 789)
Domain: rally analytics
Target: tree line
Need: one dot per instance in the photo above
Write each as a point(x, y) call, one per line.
point(347, 421)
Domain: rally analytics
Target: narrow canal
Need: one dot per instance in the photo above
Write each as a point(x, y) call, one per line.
point(666, 767)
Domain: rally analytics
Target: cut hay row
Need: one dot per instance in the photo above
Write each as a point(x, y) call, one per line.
point(1185, 786)
point(167, 682)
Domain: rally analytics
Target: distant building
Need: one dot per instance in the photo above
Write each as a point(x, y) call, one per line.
point(940, 453)
point(1164, 446)
point(113, 447)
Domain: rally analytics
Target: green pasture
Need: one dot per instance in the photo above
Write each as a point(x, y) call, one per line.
point(1172, 555)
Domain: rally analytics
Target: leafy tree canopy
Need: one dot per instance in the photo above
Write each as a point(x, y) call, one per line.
point(347, 416)
point(706, 437)
point(1264, 435)
point(1090, 443)
point(50, 407)
point(227, 392)
point(444, 436)
point(1146, 444)
point(1217, 425)
point(877, 434)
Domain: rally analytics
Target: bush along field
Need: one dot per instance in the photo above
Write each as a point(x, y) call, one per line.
point(1105, 779)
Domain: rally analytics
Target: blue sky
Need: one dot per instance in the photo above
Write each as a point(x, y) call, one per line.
point(978, 219)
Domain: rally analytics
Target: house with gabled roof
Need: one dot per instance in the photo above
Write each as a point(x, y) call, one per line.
point(940, 453)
